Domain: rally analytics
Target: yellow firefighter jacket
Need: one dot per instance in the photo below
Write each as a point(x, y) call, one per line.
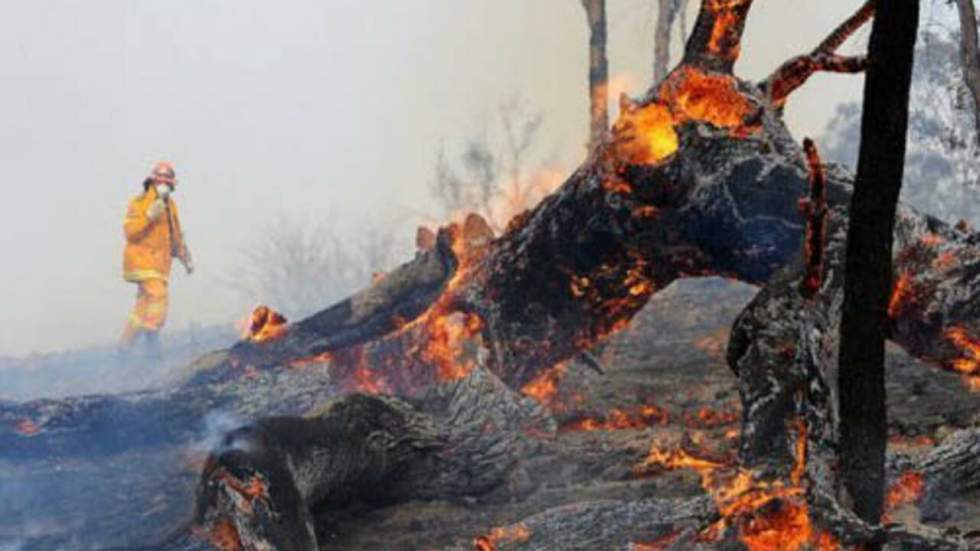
point(151, 245)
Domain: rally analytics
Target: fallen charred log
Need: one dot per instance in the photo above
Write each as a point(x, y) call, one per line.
point(263, 481)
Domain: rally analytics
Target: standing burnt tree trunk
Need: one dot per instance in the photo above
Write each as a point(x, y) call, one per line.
point(970, 57)
point(595, 11)
point(667, 11)
point(868, 264)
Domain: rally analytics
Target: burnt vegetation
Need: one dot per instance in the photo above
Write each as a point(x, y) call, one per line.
point(494, 377)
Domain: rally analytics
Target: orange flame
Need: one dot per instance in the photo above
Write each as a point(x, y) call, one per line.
point(648, 134)
point(443, 348)
point(518, 533)
point(907, 489)
point(902, 295)
point(715, 99)
point(968, 363)
point(544, 387)
point(710, 418)
point(265, 325)
point(645, 135)
point(619, 419)
point(769, 515)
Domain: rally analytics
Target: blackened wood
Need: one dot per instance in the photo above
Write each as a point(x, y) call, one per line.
point(868, 265)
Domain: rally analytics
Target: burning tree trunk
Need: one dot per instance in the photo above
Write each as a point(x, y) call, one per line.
point(595, 11)
point(868, 266)
point(699, 177)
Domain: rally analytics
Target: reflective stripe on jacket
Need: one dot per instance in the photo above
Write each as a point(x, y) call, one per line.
point(151, 245)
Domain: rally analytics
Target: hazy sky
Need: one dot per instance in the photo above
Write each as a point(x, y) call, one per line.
point(300, 108)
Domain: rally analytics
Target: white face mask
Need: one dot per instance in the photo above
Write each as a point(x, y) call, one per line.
point(163, 190)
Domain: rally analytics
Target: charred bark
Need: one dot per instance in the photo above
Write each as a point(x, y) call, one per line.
point(868, 265)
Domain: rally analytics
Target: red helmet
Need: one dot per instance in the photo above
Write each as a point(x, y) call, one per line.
point(163, 171)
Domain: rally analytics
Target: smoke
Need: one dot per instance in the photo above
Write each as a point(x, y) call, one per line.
point(219, 435)
point(104, 369)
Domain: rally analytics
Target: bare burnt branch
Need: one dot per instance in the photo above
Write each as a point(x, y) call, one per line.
point(846, 29)
point(815, 211)
point(795, 72)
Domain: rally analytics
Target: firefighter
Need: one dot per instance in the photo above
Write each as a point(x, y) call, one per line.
point(153, 239)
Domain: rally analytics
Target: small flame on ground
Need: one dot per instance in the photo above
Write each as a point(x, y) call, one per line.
point(769, 515)
point(621, 419)
point(518, 533)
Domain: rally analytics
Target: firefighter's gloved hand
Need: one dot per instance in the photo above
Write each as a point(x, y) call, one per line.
point(188, 266)
point(156, 209)
point(163, 191)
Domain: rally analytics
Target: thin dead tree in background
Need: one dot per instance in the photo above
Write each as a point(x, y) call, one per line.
point(868, 266)
point(667, 16)
point(494, 174)
point(970, 57)
point(595, 11)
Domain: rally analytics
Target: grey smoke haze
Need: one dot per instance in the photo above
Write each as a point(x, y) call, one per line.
point(301, 107)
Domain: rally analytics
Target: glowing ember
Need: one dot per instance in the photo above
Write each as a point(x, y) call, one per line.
point(224, 536)
point(27, 427)
point(265, 325)
point(618, 419)
point(313, 360)
point(713, 344)
point(945, 261)
point(907, 489)
point(931, 239)
point(912, 443)
point(720, 32)
point(968, 364)
point(660, 544)
point(518, 533)
point(368, 381)
point(710, 418)
point(544, 387)
point(902, 295)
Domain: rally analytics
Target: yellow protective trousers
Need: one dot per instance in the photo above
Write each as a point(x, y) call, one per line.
point(150, 311)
